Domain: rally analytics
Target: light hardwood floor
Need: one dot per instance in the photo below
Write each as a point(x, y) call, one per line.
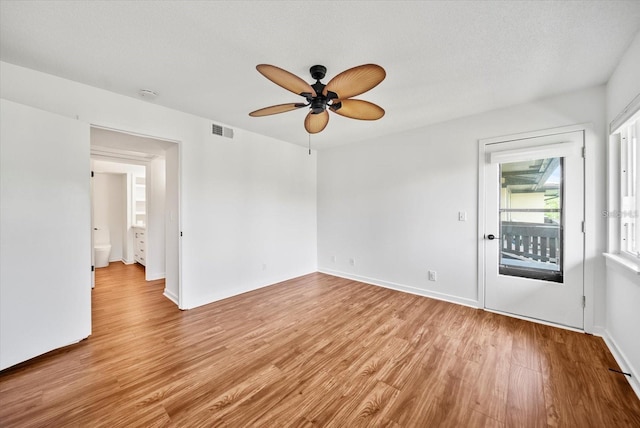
point(314, 351)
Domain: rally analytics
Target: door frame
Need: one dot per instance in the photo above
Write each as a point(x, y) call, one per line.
point(589, 216)
point(178, 207)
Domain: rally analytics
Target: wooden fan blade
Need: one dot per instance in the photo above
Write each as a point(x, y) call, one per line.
point(355, 81)
point(315, 123)
point(358, 109)
point(283, 78)
point(280, 108)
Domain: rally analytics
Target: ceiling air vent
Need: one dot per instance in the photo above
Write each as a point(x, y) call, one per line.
point(222, 131)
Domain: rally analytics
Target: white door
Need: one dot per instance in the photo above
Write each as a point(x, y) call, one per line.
point(533, 234)
point(45, 248)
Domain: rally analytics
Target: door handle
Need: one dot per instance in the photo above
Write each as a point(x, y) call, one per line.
point(491, 237)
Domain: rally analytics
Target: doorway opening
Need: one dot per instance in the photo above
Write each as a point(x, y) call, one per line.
point(135, 204)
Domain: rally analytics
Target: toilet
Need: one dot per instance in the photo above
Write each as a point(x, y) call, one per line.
point(101, 247)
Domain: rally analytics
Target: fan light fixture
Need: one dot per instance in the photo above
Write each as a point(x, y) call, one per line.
point(335, 95)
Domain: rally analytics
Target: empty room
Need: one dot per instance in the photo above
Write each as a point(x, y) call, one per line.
point(319, 213)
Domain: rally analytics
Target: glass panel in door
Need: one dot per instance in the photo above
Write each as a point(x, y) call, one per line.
point(531, 219)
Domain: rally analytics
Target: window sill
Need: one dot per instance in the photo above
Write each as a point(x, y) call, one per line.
point(620, 262)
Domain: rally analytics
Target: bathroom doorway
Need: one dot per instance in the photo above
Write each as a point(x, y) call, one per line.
point(135, 204)
point(119, 209)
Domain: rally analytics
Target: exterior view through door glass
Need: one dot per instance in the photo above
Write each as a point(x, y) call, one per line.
point(534, 242)
point(531, 219)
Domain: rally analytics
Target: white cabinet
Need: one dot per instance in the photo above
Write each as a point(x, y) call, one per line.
point(139, 207)
point(140, 245)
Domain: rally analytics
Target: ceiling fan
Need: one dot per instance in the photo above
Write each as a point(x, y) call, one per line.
point(335, 95)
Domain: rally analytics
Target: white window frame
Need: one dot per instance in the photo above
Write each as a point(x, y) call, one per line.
point(623, 210)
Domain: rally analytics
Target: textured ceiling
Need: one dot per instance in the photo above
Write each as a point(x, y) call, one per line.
point(443, 59)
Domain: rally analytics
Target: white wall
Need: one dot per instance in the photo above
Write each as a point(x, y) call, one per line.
point(392, 204)
point(110, 210)
point(155, 268)
point(250, 218)
point(623, 319)
point(623, 288)
point(45, 232)
point(624, 84)
point(246, 203)
point(102, 165)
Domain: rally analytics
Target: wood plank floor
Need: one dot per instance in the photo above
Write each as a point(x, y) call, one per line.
point(314, 351)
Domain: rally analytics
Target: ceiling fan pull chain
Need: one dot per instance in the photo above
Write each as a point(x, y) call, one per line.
point(309, 143)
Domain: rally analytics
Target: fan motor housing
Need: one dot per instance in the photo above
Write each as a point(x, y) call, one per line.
point(318, 104)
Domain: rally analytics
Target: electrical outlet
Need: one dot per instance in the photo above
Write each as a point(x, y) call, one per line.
point(433, 276)
point(333, 259)
point(352, 262)
point(462, 216)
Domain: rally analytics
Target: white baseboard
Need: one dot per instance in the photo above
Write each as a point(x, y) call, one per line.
point(154, 276)
point(405, 288)
point(622, 361)
point(169, 295)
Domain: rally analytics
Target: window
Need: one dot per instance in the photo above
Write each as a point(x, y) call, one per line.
point(628, 187)
point(624, 179)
